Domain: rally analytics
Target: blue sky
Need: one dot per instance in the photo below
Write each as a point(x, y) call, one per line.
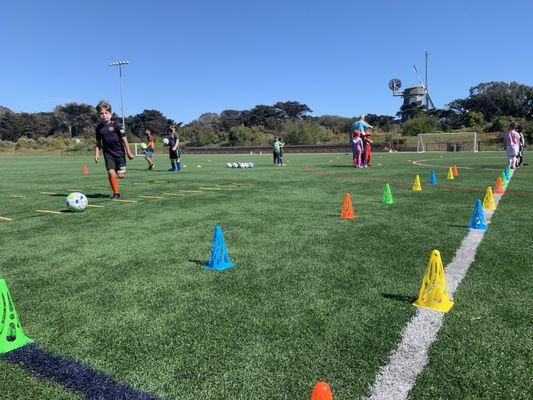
point(188, 58)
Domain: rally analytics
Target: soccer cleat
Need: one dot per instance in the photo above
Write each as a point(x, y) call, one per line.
point(116, 196)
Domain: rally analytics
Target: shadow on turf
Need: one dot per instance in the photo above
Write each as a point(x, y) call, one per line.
point(198, 262)
point(399, 297)
point(89, 196)
point(73, 375)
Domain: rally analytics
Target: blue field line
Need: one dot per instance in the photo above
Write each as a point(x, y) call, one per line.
point(73, 375)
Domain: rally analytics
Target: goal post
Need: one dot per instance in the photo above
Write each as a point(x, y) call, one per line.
point(447, 141)
point(137, 149)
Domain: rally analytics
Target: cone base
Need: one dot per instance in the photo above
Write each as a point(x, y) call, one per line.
point(478, 228)
point(417, 189)
point(347, 217)
point(442, 307)
point(219, 267)
point(6, 347)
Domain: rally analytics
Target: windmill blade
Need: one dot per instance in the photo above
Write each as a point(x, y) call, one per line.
point(418, 77)
point(430, 100)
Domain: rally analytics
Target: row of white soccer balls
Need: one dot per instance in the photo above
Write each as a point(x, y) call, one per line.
point(240, 165)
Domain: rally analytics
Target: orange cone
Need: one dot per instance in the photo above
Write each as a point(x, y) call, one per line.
point(498, 188)
point(84, 170)
point(347, 209)
point(455, 171)
point(322, 391)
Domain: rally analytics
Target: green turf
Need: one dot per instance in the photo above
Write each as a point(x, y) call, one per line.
point(312, 296)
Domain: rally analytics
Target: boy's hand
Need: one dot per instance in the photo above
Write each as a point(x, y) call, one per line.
point(96, 157)
point(130, 156)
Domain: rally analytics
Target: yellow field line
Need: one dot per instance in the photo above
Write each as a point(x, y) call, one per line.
point(49, 193)
point(17, 196)
point(158, 182)
point(208, 188)
point(95, 206)
point(174, 194)
point(152, 197)
point(191, 191)
point(125, 201)
point(74, 190)
point(6, 219)
point(49, 211)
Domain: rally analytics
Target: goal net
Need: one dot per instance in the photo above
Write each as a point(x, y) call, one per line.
point(445, 141)
point(137, 149)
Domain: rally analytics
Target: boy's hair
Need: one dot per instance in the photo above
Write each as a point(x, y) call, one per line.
point(103, 105)
point(512, 125)
point(518, 129)
point(173, 127)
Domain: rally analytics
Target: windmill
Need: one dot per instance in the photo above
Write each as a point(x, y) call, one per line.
point(413, 96)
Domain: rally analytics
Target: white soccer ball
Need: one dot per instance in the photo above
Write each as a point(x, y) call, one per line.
point(77, 202)
point(251, 164)
point(166, 141)
point(235, 165)
point(245, 165)
point(229, 165)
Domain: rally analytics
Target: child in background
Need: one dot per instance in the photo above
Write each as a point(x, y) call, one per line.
point(174, 149)
point(149, 148)
point(276, 149)
point(281, 148)
point(521, 144)
point(357, 149)
point(512, 140)
point(111, 139)
point(367, 144)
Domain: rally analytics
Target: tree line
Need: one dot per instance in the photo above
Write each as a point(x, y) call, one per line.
point(489, 107)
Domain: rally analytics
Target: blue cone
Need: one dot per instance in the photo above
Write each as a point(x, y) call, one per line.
point(219, 253)
point(478, 218)
point(433, 179)
point(507, 173)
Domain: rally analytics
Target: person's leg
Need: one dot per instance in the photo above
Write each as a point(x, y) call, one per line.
point(368, 156)
point(178, 162)
point(112, 177)
point(275, 157)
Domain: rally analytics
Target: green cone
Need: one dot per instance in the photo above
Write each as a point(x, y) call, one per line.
point(11, 333)
point(387, 196)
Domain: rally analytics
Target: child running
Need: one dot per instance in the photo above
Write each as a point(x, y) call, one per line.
point(111, 138)
point(512, 140)
point(149, 152)
point(174, 149)
point(357, 149)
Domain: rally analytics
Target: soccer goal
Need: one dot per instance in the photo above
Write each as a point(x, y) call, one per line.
point(137, 149)
point(446, 141)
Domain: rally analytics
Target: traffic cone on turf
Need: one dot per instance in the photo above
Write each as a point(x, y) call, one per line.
point(478, 218)
point(455, 171)
point(387, 195)
point(347, 209)
point(417, 185)
point(433, 178)
point(219, 259)
point(505, 182)
point(507, 173)
point(488, 201)
point(322, 391)
point(450, 174)
point(433, 292)
point(11, 333)
point(84, 170)
point(498, 188)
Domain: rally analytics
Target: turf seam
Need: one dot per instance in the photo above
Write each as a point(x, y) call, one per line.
point(395, 380)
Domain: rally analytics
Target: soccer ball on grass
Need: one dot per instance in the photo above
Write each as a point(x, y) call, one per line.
point(77, 202)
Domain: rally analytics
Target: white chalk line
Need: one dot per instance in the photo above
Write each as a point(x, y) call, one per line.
point(395, 380)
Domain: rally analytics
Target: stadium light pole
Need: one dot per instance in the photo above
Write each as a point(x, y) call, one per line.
point(119, 64)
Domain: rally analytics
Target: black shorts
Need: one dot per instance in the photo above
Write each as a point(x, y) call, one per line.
point(118, 163)
point(174, 155)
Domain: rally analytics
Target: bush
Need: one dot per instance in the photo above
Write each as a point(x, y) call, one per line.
point(303, 132)
point(421, 123)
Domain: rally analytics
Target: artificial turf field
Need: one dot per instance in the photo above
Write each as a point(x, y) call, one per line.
point(122, 287)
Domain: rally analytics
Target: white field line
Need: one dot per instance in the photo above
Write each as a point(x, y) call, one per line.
point(395, 380)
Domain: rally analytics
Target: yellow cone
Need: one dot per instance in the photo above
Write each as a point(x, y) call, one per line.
point(417, 185)
point(488, 201)
point(450, 174)
point(433, 293)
